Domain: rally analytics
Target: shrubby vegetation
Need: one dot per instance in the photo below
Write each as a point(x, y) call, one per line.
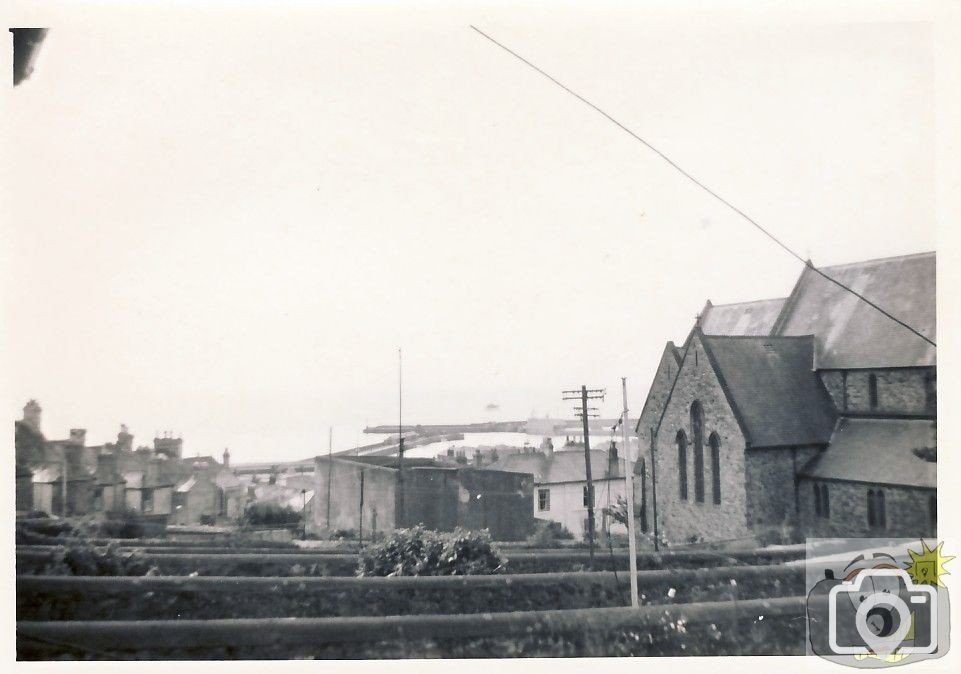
point(265, 512)
point(80, 558)
point(549, 534)
point(423, 552)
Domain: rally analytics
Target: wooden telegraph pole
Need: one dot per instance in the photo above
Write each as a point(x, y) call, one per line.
point(585, 414)
point(629, 488)
point(657, 542)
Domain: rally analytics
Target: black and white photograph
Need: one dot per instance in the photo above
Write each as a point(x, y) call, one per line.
point(394, 331)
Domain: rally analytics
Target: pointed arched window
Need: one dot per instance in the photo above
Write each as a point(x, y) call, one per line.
point(682, 464)
point(873, 390)
point(697, 431)
point(715, 442)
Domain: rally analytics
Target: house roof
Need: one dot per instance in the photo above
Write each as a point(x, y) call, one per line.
point(226, 480)
point(770, 383)
point(742, 318)
point(46, 473)
point(186, 485)
point(878, 451)
point(51, 472)
point(852, 334)
point(196, 462)
point(561, 466)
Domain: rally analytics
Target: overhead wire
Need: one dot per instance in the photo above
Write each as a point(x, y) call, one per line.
point(707, 189)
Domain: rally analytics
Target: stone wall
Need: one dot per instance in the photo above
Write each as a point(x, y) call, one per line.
point(345, 510)
point(770, 487)
point(906, 511)
point(908, 390)
point(681, 520)
point(650, 414)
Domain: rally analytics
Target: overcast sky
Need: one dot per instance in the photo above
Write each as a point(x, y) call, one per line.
point(225, 223)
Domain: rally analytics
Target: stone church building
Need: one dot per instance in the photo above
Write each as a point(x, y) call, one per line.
point(811, 415)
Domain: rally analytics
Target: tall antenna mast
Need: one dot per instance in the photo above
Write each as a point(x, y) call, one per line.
point(400, 438)
point(330, 468)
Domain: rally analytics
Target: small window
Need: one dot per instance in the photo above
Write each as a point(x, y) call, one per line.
point(825, 502)
point(588, 496)
point(543, 499)
point(873, 390)
point(682, 464)
point(930, 391)
point(817, 500)
point(876, 514)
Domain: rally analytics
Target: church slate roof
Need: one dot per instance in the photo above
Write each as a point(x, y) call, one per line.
point(852, 334)
point(878, 451)
point(771, 385)
point(742, 318)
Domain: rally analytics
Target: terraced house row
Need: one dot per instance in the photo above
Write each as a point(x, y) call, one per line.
point(810, 415)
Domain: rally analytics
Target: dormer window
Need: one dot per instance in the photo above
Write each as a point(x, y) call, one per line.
point(873, 390)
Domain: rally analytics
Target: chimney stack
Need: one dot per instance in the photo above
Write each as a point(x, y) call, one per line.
point(124, 439)
point(78, 436)
point(31, 415)
point(226, 457)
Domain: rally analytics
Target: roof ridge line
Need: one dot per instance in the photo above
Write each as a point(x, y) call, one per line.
point(878, 259)
point(765, 337)
point(732, 304)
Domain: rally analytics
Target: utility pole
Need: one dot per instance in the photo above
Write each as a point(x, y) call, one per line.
point(330, 470)
point(657, 542)
point(629, 479)
point(400, 520)
point(361, 534)
point(63, 486)
point(585, 413)
point(303, 511)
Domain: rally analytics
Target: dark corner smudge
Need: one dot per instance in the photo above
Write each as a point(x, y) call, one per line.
point(26, 46)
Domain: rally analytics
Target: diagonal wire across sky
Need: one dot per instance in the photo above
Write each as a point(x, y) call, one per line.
point(707, 189)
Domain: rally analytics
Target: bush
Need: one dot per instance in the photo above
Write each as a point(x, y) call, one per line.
point(548, 534)
point(80, 558)
point(43, 532)
point(126, 526)
point(422, 552)
point(265, 512)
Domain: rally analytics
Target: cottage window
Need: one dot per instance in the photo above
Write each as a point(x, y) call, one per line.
point(543, 499)
point(930, 391)
point(876, 515)
point(715, 442)
point(817, 500)
point(825, 502)
point(873, 390)
point(682, 464)
point(588, 496)
point(697, 430)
